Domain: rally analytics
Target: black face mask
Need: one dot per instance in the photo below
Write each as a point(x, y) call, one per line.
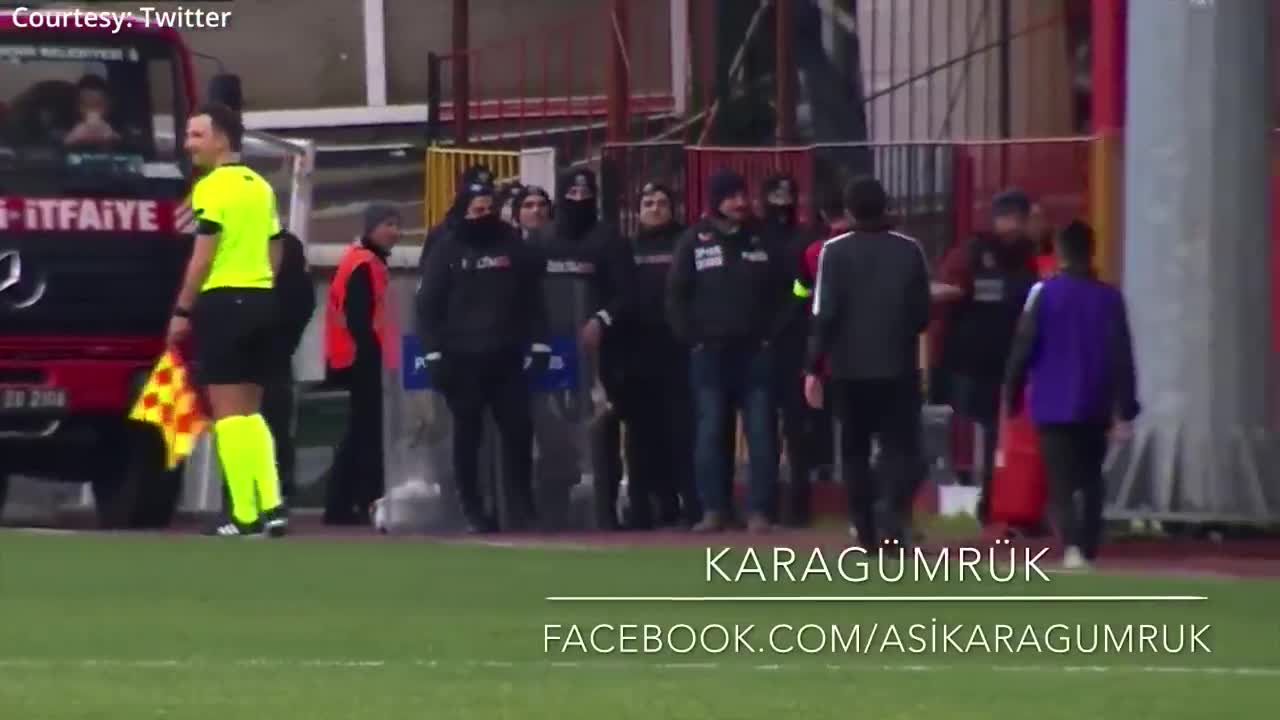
point(780, 214)
point(578, 216)
point(481, 231)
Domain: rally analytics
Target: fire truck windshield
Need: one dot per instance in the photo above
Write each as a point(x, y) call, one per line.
point(75, 105)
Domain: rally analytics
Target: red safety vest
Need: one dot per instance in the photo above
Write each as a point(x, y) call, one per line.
point(339, 345)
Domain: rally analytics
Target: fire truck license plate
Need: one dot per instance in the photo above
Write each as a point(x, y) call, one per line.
point(25, 400)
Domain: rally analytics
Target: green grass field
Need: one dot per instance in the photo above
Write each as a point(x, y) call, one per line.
point(134, 627)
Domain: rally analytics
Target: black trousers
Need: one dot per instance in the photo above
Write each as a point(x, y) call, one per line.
point(890, 411)
point(278, 410)
point(978, 398)
point(607, 470)
point(495, 382)
point(807, 434)
point(730, 451)
point(659, 448)
point(357, 477)
point(1073, 456)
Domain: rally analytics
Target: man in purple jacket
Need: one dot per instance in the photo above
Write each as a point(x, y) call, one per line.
point(1074, 349)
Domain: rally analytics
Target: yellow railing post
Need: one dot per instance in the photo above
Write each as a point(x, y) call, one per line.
point(1104, 204)
point(445, 165)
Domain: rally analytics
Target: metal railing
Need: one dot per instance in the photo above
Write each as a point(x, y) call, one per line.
point(551, 86)
point(940, 190)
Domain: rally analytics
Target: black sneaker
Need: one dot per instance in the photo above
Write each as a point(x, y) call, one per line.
point(232, 528)
point(276, 521)
point(481, 525)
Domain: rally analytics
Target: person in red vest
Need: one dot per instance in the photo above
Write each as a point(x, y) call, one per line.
point(360, 340)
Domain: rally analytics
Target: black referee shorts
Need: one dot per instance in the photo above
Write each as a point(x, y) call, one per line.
point(237, 337)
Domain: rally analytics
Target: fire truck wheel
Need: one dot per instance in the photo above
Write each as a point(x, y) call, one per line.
point(136, 491)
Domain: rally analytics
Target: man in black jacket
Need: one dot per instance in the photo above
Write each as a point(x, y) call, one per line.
point(986, 282)
point(652, 378)
point(296, 298)
point(483, 323)
point(871, 304)
point(727, 299)
point(589, 273)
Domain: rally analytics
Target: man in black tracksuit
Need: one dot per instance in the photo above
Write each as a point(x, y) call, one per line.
point(871, 304)
point(727, 299)
point(483, 323)
point(587, 281)
point(652, 383)
point(296, 298)
point(799, 421)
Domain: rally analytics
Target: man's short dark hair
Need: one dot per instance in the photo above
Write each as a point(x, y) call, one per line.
point(865, 198)
point(1075, 243)
point(226, 121)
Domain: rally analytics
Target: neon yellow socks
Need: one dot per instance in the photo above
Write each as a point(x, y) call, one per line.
point(247, 453)
point(234, 439)
point(265, 474)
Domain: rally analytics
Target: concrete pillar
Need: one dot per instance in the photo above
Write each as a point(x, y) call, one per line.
point(1197, 271)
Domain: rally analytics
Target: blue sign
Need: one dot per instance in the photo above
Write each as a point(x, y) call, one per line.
point(561, 373)
point(413, 364)
point(562, 368)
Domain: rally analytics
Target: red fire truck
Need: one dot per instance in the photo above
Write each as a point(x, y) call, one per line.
point(94, 235)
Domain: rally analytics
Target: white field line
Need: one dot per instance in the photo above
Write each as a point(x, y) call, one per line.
point(620, 665)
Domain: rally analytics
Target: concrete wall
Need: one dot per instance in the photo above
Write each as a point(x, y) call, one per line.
point(310, 53)
point(568, 57)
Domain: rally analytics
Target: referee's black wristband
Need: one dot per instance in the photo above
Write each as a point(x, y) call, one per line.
point(181, 312)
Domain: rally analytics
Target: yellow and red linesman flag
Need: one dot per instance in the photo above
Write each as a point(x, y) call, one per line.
point(169, 401)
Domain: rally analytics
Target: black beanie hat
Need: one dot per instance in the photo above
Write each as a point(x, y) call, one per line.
point(470, 192)
point(721, 185)
point(507, 191)
point(475, 174)
point(777, 182)
point(378, 213)
point(527, 191)
point(650, 188)
point(581, 178)
point(1010, 202)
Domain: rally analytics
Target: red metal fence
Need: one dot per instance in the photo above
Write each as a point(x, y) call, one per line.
point(754, 164)
point(941, 190)
point(626, 167)
point(1055, 172)
point(550, 86)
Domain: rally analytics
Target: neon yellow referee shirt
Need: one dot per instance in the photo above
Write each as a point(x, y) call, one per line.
point(243, 206)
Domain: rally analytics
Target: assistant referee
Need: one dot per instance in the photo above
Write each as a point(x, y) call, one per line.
point(227, 297)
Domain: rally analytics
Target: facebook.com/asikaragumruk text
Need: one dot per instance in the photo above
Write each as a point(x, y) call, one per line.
point(922, 638)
